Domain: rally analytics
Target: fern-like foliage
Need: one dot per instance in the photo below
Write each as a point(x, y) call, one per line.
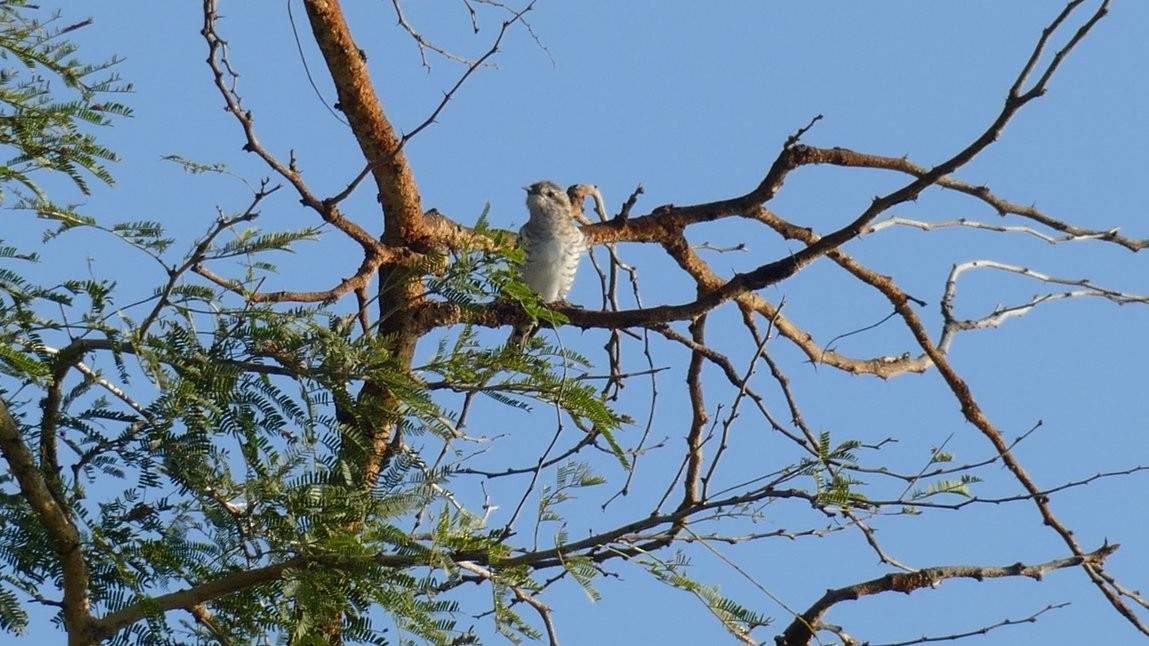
point(833, 485)
point(41, 130)
point(736, 618)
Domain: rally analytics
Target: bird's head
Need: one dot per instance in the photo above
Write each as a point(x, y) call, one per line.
point(545, 195)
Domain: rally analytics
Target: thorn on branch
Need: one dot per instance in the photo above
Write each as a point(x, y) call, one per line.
point(793, 139)
point(624, 214)
point(75, 26)
point(741, 246)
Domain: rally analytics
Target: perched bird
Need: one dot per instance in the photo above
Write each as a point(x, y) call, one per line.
point(553, 246)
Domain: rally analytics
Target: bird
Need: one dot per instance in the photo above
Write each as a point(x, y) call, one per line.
point(553, 246)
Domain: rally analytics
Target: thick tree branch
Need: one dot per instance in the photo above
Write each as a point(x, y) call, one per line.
point(347, 63)
point(56, 521)
point(802, 630)
point(192, 597)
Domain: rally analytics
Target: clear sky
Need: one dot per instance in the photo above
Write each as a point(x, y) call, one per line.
point(693, 101)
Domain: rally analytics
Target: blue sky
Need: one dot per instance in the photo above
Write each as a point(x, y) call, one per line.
point(694, 104)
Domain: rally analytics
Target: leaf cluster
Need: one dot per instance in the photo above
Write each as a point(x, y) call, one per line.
point(41, 129)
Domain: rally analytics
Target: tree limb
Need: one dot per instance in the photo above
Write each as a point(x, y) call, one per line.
point(801, 631)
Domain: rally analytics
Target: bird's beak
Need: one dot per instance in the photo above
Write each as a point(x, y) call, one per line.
point(527, 189)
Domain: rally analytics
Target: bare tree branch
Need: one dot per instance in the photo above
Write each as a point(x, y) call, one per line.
point(802, 630)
